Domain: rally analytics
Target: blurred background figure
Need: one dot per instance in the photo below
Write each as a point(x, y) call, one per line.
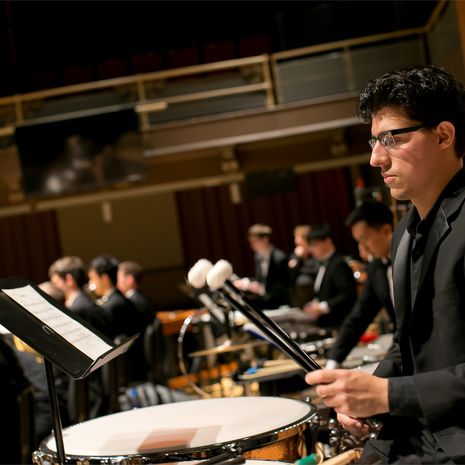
point(303, 268)
point(372, 226)
point(334, 286)
point(269, 288)
point(75, 169)
point(13, 383)
point(124, 316)
point(68, 274)
point(128, 282)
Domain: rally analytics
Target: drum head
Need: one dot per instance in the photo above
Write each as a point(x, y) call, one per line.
point(191, 430)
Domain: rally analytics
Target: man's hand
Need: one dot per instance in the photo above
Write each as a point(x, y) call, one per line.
point(354, 426)
point(351, 392)
point(314, 309)
point(256, 288)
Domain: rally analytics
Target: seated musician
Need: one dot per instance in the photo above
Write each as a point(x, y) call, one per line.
point(269, 288)
point(302, 267)
point(371, 224)
point(334, 286)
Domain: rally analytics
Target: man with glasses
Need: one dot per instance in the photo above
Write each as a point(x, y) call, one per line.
point(417, 121)
point(371, 224)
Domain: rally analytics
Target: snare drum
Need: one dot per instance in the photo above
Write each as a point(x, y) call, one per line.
point(264, 428)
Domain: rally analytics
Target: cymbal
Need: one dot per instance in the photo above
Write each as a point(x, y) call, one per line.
point(228, 346)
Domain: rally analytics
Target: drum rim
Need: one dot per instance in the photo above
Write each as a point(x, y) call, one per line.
point(241, 445)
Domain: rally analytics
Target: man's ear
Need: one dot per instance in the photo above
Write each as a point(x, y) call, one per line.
point(446, 134)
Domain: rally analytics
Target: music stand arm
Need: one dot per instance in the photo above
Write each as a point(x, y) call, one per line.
point(57, 429)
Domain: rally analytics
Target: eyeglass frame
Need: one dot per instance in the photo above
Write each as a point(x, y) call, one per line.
point(372, 141)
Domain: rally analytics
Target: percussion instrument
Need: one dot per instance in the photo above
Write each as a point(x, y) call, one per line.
point(226, 347)
point(266, 428)
point(369, 355)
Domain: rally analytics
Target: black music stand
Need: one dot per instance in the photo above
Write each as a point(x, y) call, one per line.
point(60, 336)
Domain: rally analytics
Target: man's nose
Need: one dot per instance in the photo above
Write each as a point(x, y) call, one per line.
point(379, 155)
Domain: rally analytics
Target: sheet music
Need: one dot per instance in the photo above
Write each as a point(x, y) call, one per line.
point(71, 330)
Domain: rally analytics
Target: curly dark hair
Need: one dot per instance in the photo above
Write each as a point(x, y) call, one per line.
point(426, 94)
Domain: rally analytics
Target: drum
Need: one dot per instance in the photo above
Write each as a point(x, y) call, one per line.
point(264, 428)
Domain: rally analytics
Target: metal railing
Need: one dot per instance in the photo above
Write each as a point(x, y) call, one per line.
point(257, 82)
point(344, 66)
point(147, 93)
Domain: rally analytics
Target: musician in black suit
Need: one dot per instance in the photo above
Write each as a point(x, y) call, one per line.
point(125, 318)
point(128, 282)
point(303, 268)
point(335, 287)
point(371, 224)
point(417, 121)
point(69, 275)
point(269, 288)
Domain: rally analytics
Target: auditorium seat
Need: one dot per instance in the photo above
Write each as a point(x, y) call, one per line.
point(254, 45)
point(219, 51)
point(40, 80)
point(77, 74)
point(155, 348)
point(112, 68)
point(178, 58)
point(147, 62)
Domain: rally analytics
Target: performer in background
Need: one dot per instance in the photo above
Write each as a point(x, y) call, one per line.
point(12, 383)
point(69, 275)
point(334, 286)
point(371, 224)
point(303, 268)
point(124, 316)
point(417, 121)
point(128, 282)
point(270, 286)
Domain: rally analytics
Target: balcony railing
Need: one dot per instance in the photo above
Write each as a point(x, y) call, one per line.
point(256, 83)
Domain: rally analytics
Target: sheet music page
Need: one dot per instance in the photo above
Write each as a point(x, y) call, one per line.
point(71, 330)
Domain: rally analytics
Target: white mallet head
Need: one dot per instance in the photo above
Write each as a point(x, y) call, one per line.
point(197, 275)
point(217, 276)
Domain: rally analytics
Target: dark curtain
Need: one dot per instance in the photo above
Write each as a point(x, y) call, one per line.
point(213, 227)
point(28, 245)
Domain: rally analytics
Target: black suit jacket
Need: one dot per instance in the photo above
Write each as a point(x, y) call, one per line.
point(430, 339)
point(125, 318)
point(145, 308)
point(338, 289)
point(89, 311)
point(276, 282)
point(374, 297)
point(127, 321)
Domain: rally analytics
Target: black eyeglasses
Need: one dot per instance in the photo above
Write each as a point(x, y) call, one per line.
point(386, 138)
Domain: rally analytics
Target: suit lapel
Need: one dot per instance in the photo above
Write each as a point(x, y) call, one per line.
point(401, 276)
point(439, 228)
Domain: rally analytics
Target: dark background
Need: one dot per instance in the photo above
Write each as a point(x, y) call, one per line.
point(53, 43)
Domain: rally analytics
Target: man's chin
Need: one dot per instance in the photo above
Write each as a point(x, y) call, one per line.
point(398, 194)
